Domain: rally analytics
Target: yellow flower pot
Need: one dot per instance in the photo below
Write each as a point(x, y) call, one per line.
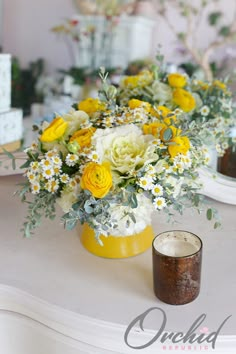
point(117, 246)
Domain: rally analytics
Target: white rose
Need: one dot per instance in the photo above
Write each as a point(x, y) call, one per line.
point(125, 148)
point(162, 93)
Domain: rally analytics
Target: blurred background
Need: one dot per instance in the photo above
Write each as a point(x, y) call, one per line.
point(58, 45)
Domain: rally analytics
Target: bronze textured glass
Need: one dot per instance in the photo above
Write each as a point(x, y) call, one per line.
point(177, 257)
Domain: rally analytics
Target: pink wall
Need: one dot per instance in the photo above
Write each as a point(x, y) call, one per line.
point(27, 33)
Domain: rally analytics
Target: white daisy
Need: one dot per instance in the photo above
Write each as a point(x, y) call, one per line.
point(45, 164)
point(50, 153)
point(57, 161)
point(31, 176)
point(35, 188)
point(157, 190)
point(34, 166)
point(64, 178)
point(205, 110)
point(71, 159)
point(159, 203)
point(56, 170)
point(93, 155)
point(146, 183)
point(48, 172)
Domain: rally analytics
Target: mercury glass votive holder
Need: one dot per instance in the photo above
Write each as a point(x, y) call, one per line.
point(177, 258)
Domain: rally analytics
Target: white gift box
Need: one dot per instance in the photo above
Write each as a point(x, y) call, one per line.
point(11, 126)
point(5, 82)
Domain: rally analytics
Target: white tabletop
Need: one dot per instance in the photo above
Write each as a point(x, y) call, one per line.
point(54, 267)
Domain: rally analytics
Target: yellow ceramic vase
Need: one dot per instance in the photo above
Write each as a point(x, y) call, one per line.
point(117, 246)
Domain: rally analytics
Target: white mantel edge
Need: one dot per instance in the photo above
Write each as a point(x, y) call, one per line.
point(81, 331)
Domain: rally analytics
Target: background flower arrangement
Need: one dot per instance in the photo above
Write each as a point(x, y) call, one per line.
point(207, 106)
point(111, 166)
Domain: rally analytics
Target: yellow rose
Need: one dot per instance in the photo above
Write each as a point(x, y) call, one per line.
point(54, 131)
point(176, 80)
point(153, 128)
point(97, 179)
point(91, 105)
point(182, 146)
point(139, 104)
point(83, 137)
point(184, 100)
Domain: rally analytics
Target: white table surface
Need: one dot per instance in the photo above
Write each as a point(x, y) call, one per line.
point(57, 271)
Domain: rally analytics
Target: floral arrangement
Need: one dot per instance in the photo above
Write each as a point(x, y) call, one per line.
point(110, 166)
point(207, 106)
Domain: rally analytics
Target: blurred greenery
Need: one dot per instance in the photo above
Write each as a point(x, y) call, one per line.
point(24, 84)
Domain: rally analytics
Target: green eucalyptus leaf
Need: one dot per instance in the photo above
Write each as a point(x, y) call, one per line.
point(209, 214)
point(168, 134)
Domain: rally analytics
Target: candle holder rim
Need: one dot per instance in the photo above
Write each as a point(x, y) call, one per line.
point(188, 256)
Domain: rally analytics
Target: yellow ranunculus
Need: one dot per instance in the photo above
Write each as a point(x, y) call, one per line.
point(165, 113)
point(184, 100)
point(97, 179)
point(177, 80)
point(154, 128)
point(91, 105)
point(160, 111)
point(175, 132)
point(203, 85)
point(83, 137)
point(54, 131)
point(134, 103)
point(182, 146)
point(219, 84)
point(142, 79)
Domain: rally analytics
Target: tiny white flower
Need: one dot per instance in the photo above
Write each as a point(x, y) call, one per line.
point(178, 111)
point(32, 147)
point(93, 155)
point(145, 183)
point(159, 203)
point(205, 110)
point(34, 166)
point(225, 145)
point(71, 159)
point(57, 161)
point(56, 170)
point(35, 188)
point(64, 178)
point(157, 190)
point(48, 172)
point(45, 164)
point(50, 153)
point(31, 176)
point(73, 183)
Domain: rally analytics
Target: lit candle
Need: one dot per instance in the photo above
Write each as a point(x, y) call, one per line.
point(177, 266)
